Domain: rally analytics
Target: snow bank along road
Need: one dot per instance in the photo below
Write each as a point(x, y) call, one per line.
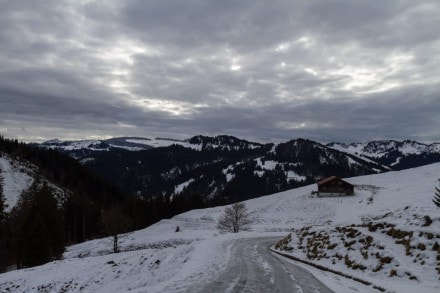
point(253, 268)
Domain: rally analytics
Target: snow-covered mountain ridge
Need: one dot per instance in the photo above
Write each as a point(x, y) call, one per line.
point(395, 154)
point(213, 166)
point(126, 143)
point(157, 259)
point(377, 148)
point(391, 154)
point(79, 148)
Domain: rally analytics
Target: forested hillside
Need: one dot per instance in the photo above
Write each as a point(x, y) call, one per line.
point(60, 204)
point(221, 169)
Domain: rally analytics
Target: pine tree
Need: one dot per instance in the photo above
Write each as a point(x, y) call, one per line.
point(3, 227)
point(38, 234)
point(3, 205)
point(36, 248)
point(19, 220)
point(436, 198)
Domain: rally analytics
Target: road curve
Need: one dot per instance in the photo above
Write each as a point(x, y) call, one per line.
point(253, 268)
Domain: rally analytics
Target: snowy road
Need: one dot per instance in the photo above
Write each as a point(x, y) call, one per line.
point(253, 268)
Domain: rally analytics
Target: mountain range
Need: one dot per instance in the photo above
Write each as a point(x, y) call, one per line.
point(225, 169)
point(397, 155)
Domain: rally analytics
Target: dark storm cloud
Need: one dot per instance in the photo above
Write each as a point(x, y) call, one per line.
point(327, 70)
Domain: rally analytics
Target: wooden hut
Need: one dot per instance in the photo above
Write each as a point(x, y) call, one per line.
point(334, 186)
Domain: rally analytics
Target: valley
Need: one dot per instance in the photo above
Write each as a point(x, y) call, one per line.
point(158, 259)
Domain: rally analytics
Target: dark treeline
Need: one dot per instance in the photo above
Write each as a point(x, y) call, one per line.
point(35, 227)
point(85, 193)
point(38, 228)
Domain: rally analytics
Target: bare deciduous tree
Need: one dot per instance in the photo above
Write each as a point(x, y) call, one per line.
point(235, 218)
point(115, 222)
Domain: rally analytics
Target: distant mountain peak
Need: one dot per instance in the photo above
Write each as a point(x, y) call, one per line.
point(223, 142)
point(52, 141)
point(392, 153)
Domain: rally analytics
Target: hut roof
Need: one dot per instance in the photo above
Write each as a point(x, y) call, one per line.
point(331, 178)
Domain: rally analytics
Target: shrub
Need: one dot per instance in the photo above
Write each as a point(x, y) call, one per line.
point(353, 233)
point(428, 221)
point(347, 261)
point(378, 267)
point(386, 259)
point(333, 245)
point(349, 243)
point(421, 246)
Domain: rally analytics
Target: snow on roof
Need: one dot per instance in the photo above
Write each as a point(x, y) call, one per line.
point(328, 179)
point(331, 178)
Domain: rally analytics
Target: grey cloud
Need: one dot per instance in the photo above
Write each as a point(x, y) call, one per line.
point(339, 120)
point(340, 70)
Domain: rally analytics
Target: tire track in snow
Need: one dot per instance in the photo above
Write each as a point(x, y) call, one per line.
point(253, 268)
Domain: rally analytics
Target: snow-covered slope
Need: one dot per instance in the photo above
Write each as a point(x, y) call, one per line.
point(389, 152)
point(162, 142)
point(157, 259)
point(377, 149)
point(16, 178)
point(127, 143)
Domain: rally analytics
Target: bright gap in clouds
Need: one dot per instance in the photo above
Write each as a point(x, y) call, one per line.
point(174, 108)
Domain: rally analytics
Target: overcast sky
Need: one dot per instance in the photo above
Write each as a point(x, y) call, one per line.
point(340, 70)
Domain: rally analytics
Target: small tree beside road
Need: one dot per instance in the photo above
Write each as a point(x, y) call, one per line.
point(115, 223)
point(235, 218)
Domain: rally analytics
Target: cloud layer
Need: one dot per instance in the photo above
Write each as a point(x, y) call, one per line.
point(338, 70)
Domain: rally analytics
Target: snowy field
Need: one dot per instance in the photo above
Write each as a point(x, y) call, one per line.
point(157, 259)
